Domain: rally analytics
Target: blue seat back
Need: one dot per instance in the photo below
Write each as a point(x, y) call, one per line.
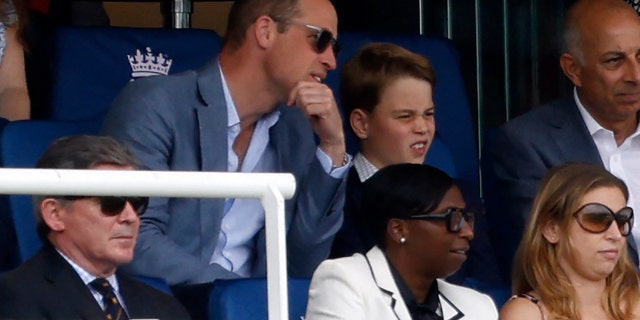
point(440, 156)
point(156, 283)
point(21, 145)
point(91, 65)
point(242, 299)
point(454, 123)
point(8, 246)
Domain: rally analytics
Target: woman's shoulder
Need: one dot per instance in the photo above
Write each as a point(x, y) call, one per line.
point(522, 306)
point(447, 287)
point(462, 294)
point(354, 262)
point(349, 274)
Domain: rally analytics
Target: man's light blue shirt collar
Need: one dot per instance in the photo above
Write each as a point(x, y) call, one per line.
point(270, 120)
point(87, 276)
point(232, 113)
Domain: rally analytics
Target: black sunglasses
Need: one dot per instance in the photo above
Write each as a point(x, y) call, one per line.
point(323, 37)
point(112, 206)
point(454, 217)
point(597, 218)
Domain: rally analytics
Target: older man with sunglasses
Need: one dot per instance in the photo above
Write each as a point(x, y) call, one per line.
point(260, 106)
point(86, 239)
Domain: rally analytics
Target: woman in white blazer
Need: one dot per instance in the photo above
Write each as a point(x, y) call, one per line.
point(421, 229)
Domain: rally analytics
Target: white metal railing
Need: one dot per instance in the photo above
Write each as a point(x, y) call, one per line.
point(270, 188)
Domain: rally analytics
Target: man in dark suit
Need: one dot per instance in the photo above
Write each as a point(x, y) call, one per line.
point(597, 124)
point(86, 239)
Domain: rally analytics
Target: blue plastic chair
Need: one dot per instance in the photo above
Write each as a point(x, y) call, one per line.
point(91, 65)
point(21, 145)
point(8, 246)
point(242, 299)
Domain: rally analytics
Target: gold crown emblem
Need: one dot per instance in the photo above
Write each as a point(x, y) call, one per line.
point(149, 64)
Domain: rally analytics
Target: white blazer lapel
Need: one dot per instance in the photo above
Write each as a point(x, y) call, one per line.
point(385, 282)
point(449, 309)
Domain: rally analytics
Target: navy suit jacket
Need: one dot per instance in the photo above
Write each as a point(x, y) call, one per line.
point(522, 152)
point(179, 122)
point(47, 287)
point(354, 236)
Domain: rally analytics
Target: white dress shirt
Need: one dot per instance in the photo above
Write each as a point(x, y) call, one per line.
point(87, 278)
point(364, 167)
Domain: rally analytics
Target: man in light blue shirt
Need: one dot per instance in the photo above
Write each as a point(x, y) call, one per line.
point(261, 106)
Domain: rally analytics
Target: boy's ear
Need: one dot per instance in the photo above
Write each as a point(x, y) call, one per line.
point(359, 120)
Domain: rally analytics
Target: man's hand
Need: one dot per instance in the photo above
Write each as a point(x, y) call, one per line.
point(318, 104)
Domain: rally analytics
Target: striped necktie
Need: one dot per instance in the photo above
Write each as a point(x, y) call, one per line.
point(112, 308)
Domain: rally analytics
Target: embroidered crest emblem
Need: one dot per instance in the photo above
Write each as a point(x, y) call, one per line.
point(148, 64)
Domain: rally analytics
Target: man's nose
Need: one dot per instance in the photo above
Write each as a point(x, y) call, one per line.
point(128, 214)
point(328, 58)
point(633, 71)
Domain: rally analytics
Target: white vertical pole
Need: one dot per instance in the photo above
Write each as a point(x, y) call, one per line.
point(449, 25)
point(278, 297)
point(421, 16)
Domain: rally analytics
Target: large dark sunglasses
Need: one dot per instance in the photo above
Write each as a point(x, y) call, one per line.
point(597, 218)
point(323, 37)
point(454, 217)
point(112, 206)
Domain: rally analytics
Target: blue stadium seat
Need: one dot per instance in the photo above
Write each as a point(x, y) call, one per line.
point(21, 145)
point(242, 299)
point(91, 65)
point(8, 246)
point(440, 156)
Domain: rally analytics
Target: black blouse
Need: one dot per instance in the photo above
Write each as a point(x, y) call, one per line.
point(429, 310)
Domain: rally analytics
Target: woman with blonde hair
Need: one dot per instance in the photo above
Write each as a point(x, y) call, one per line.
point(572, 262)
